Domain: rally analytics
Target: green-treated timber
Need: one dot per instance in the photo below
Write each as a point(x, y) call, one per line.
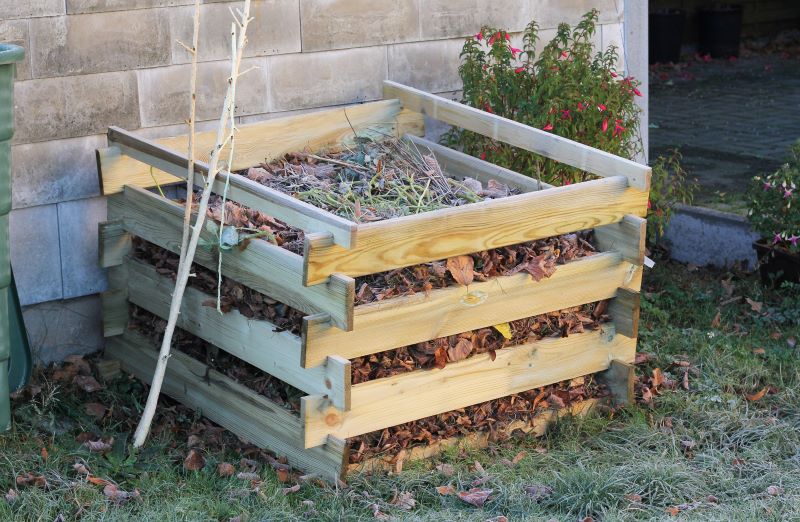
point(242, 411)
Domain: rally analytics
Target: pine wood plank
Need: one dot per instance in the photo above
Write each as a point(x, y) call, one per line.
point(115, 243)
point(519, 135)
point(267, 140)
point(626, 236)
point(114, 302)
point(242, 411)
point(396, 322)
point(241, 189)
point(257, 342)
point(266, 268)
point(420, 238)
point(619, 377)
point(459, 165)
point(537, 427)
point(394, 400)
point(625, 309)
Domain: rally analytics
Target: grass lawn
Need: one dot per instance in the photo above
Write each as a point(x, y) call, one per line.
point(717, 451)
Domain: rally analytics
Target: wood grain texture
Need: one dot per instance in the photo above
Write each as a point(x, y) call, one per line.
point(267, 140)
point(241, 189)
point(430, 236)
point(626, 236)
point(619, 377)
point(264, 267)
point(459, 165)
point(396, 322)
point(247, 414)
point(114, 243)
point(537, 427)
point(625, 310)
point(394, 400)
point(256, 342)
point(519, 135)
point(114, 302)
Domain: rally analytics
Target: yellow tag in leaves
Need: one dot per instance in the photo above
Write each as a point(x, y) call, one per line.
point(504, 329)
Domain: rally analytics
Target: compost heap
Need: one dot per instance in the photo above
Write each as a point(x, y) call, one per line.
point(374, 181)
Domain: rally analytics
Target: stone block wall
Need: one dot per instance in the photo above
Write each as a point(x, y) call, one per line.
point(95, 63)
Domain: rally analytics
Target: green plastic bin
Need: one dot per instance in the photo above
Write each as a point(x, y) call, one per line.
point(9, 55)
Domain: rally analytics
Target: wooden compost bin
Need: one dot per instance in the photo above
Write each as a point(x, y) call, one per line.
point(320, 283)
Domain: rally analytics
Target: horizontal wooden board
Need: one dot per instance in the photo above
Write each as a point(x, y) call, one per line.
point(536, 427)
point(403, 398)
point(257, 342)
point(267, 140)
point(459, 165)
point(519, 135)
point(406, 320)
point(240, 189)
point(266, 268)
point(430, 236)
point(242, 411)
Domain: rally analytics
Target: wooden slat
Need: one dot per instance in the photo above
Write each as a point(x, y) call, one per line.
point(247, 414)
point(394, 400)
point(114, 302)
point(115, 243)
point(519, 135)
point(396, 322)
point(626, 236)
point(460, 165)
point(257, 342)
point(267, 140)
point(619, 377)
point(420, 238)
point(624, 309)
point(241, 189)
point(264, 267)
point(536, 427)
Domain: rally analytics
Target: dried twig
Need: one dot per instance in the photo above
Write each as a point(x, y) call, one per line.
point(184, 268)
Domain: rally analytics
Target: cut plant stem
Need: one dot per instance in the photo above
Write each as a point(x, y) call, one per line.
point(184, 268)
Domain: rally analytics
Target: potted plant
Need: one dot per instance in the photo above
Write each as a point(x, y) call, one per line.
point(775, 215)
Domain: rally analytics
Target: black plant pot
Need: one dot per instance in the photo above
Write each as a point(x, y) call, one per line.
point(720, 30)
point(776, 264)
point(666, 35)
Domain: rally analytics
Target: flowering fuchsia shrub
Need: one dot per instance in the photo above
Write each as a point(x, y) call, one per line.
point(775, 204)
point(567, 90)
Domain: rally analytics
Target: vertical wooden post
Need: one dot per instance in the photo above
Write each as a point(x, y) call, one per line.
point(115, 302)
point(619, 379)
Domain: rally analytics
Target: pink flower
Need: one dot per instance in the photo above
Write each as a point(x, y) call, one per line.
point(488, 108)
point(581, 106)
point(514, 51)
point(479, 36)
point(483, 155)
point(618, 129)
point(519, 70)
point(787, 193)
point(637, 92)
point(613, 74)
point(564, 54)
point(548, 127)
point(605, 124)
point(767, 185)
point(793, 239)
point(777, 239)
point(649, 205)
point(601, 107)
point(508, 38)
point(565, 114)
point(491, 40)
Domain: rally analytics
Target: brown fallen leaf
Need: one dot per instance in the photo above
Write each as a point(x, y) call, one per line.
point(519, 456)
point(283, 475)
point(94, 409)
point(293, 489)
point(12, 496)
point(754, 305)
point(117, 495)
point(460, 351)
point(445, 490)
point(462, 268)
point(499, 518)
point(658, 377)
point(673, 511)
point(538, 492)
point(715, 322)
point(225, 469)
point(87, 383)
point(97, 481)
point(757, 395)
point(80, 468)
point(377, 514)
point(759, 351)
point(446, 469)
point(774, 491)
point(194, 461)
point(633, 497)
point(404, 500)
point(475, 496)
point(45, 454)
point(98, 446)
point(243, 475)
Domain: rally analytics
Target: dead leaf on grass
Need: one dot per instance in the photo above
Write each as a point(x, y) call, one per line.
point(446, 469)
point(283, 474)
point(715, 322)
point(633, 497)
point(225, 469)
point(445, 490)
point(293, 489)
point(519, 456)
point(774, 491)
point(404, 500)
point(119, 496)
point(243, 475)
point(462, 268)
point(475, 496)
point(757, 395)
point(538, 492)
point(658, 378)
point(499, 518)
point(194, 461)
point(94, 409)
point(673, 511)
point(87, 383)
point(98, 446)
point(460, 351)
point(378, 514)
point(759, 351)
point(754, 305)
point(12, 496)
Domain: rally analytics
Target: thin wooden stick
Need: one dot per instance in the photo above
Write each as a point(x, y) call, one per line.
point(143, 429)
point(187, 216)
